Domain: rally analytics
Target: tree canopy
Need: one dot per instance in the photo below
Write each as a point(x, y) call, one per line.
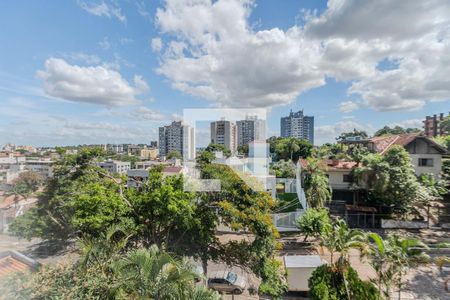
point(351, 134)
point(386, 130)
point(289, 148)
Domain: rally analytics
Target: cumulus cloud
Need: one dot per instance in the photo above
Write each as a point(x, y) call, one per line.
point(348, 106)
point(103, 9)
point(328, 133)
point(217, 56)
point(411, 123)
point(93, 84)
point(156, 44)
point(145, 113)
point(213, 52)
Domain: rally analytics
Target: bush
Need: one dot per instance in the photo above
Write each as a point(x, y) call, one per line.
point(313, 222)
point(274, 279)
point(327, 283)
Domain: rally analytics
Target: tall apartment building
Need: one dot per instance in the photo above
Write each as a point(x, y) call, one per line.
point(431, 125)
point(177, 137)
point(298, 125)
point(249, 130)
point(224, 133)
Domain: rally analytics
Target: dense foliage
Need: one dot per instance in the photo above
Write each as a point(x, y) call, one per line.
point(283, 169)
point(328, 283)
point(352, 134)
point(275, 283)
point(386, 130)
point(317, 188)
point(82, 201)
point(108, 271)
point(313, 222)
point(391, 180)
point(289, 148)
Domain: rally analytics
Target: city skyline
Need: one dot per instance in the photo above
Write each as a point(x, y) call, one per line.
point(81, 72)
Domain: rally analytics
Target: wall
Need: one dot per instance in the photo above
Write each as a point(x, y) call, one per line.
point(435, 169)
point(298, 278)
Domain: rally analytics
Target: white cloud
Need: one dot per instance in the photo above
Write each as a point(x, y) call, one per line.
point(329, 133)
point(94, 84)
point(358, 35)
point(348, 106)
point(103, 9)
point(217, 56)
point(214, 53)
point(145, 113)
point(156, 44)
point(90, 59)
point(412, 123)
point(140, 84)
point(105, 43)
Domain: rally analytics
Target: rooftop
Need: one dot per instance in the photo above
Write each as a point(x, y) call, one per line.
point(302, 261)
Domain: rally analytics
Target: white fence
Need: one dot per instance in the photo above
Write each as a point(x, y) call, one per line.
point(286, 221)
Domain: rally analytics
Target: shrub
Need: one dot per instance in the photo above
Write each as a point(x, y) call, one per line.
point(313, 222)
point(274, 279)
point(328, 283)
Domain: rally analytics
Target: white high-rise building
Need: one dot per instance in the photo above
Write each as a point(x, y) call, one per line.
point(177, 137)
point(251, 129)
point(224, 133)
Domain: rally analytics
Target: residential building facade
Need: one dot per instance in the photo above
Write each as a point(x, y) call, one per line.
point(432, 127)
point(177, 137)
point(298, 125)
point(115, 166)
point(224, 133)
point(249, 130)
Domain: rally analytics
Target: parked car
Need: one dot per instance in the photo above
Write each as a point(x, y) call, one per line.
point(226, 281)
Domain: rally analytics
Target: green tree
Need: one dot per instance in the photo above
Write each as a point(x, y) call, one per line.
point(313, 222)
point(291, 148)
point(243, 149)
point(317, 188)
point(283, 169)
point(174, 154)
point(79, 198)
point(107, 270)
point(392, 181)
point(218, 148)
point(338, 280)
point(445, 124)
point(386, 130)
point(27, 183)
point(351, 134)
point(327, 283)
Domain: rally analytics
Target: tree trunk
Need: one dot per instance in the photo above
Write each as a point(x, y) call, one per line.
point(205, 268)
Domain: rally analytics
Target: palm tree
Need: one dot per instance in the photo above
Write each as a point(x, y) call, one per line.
point(392, 257)
point(339, 238)
point(154, 274)
point(405, 254)
point(292, 147)
point(317, 188)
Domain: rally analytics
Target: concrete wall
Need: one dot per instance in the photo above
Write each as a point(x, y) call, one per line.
point(336, 179)
point(298, 278)
point(435, 169)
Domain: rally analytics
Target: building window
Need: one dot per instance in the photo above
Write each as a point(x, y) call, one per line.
point(347, 178)
point(425, 162)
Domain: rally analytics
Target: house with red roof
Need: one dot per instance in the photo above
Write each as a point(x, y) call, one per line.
point(426, 155)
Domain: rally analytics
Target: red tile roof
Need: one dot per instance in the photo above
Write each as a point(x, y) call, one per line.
point(13, 261)
point(331, 164)
point(9, 201)
point(172, 169)
point(383, 143)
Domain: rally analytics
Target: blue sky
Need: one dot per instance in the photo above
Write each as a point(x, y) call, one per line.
point(104, 71)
